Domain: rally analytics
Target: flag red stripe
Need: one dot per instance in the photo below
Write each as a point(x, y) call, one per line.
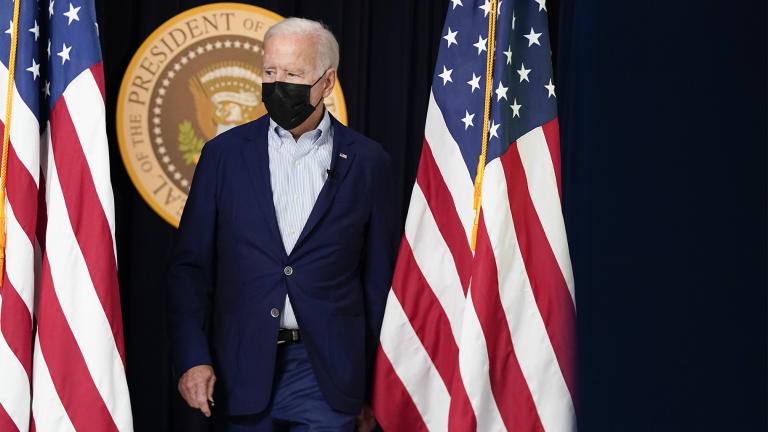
point(430, 323)
point(6, 423)
point(69, 372)
point(98, 74)
point(461, 415)
point(547, 282)
point(552, 135)
point(443, 210)
point(16, 325)
point(425, 313)
point(87, 217)
point(513, 397)
point(15, 317)
point(19, 187)
point(42, 211)
point(392, 404)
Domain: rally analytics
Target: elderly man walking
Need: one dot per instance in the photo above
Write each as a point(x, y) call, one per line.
point(286, 248)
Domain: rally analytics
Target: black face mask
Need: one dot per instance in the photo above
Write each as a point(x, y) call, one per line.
point(288, 104)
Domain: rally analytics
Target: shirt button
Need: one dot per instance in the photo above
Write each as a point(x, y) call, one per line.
point(288, 270)
point(274, 312)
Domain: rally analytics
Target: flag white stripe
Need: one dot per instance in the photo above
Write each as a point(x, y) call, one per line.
point(533, 348)
point(19, 265)
point(19, 258)
point(434, 259)
point(542, 187)
point(14, 390)
point(413, 366)
point(449, 160)
point(86, 108)
point(24, 127)
point(47, 409)
point(474, 365)
point(14, 383)
point(76, 294)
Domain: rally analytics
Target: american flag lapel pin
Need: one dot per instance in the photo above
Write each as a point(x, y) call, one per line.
point(343, 155)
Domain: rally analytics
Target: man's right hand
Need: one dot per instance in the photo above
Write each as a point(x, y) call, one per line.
point(196, 387)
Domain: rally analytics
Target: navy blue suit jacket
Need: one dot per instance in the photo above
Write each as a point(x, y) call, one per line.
point(228, 266)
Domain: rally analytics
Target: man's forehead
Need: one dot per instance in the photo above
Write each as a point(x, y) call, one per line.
point(290, 51)
point(296, 44)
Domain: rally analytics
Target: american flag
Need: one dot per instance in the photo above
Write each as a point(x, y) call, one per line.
point(62, 361)
point(484, 340)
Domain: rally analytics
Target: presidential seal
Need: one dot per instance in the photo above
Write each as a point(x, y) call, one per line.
point(196, 76)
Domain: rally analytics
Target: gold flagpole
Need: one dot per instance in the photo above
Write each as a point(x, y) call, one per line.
point(7, 129)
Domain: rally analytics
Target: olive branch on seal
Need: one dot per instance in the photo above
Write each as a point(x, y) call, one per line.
point(190, 144)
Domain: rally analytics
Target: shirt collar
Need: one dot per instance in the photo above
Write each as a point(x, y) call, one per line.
point(322, 129)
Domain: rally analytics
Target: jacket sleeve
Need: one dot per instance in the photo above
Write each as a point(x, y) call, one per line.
point(379, 257)
point(191, 269)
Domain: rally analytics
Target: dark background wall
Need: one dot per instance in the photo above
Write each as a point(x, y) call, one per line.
point(663, 121)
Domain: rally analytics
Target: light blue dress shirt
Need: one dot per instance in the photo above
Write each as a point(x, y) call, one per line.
point(297, 172)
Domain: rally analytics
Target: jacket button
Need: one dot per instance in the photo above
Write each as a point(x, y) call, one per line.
point(274, 312)
point(288, 270)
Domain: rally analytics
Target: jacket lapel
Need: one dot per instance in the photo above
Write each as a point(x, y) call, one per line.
point(257, 158)
point(341, 159)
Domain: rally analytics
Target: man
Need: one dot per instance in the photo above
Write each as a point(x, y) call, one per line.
point(287, 244)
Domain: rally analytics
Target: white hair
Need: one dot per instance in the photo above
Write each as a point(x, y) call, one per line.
point(327, 54)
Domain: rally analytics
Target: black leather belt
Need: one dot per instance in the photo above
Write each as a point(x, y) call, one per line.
point(285, 336)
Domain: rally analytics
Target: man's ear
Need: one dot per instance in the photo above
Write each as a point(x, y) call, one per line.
point(329, 82)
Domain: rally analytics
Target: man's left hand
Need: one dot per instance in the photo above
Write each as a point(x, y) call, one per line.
point(366, 421)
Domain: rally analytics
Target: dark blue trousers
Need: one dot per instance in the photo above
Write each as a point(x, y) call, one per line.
point(297, 404)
